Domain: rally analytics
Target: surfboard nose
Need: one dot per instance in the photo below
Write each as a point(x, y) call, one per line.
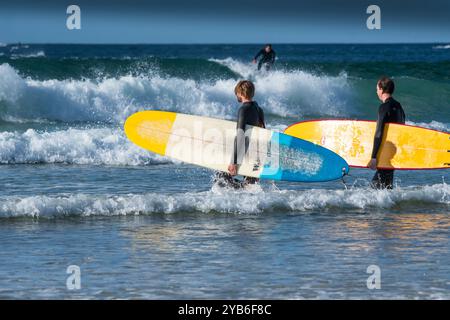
point(150, 129)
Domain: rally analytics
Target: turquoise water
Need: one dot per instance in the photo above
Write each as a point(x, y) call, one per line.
point(76, 192)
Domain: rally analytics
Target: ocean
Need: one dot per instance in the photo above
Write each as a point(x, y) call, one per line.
point(75, 191)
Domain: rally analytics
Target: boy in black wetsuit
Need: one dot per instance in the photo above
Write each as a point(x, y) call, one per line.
point(249, 114)
point(390, 111)
point(268, 57)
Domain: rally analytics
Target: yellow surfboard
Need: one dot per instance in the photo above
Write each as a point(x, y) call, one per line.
point(403, 147)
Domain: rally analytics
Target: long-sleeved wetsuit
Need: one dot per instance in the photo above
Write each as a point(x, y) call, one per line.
point(390, 111)
point(268, 58)
point(249, 114)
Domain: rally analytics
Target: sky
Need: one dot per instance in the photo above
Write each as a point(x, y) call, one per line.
point(231, 21)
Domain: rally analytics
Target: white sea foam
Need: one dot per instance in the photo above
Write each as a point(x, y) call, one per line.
point(447, 46)
point(245, 70)
point(294, 93)
point(113, 99)
point(28, 55)
point(223, 201)
point(18, 47)
point(102, 146)
point(276, 127)
point(436, 125)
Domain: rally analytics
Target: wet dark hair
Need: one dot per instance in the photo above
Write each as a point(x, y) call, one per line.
point(268, 45)
point(245, 88)
point(386, 85)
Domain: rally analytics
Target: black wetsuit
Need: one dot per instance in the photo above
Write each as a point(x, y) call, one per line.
point(249, 114)
point(390, 111)
point(268, 58)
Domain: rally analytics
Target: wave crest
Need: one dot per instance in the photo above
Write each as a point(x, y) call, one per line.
point(435, 125)
point(447, 46)
point(102, 146)
point(293, 93)
point(222, 201)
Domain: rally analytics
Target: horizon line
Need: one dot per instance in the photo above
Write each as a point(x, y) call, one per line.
point(220, 43)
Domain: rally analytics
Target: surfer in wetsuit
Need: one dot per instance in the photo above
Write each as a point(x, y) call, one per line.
point(268, 57)
point(390, 111)
point(249, 114)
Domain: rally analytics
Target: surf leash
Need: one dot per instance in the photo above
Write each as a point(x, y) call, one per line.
point(344, 173)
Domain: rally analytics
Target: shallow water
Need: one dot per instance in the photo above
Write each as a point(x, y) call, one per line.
point(162, 232)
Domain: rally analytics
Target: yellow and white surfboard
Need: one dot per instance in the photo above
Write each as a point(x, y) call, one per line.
point(206, 142)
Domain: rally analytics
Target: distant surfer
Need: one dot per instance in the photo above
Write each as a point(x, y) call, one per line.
point(249, 114)
point(267, 57)
point(390, 111)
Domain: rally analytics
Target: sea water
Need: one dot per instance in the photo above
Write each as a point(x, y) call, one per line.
point(75, 191)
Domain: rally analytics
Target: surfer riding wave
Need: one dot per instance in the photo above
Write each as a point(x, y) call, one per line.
point(267, 57)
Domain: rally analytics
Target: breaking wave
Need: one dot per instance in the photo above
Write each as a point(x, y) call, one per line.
point(223, 201)
point(98, 146)
point(283, 94)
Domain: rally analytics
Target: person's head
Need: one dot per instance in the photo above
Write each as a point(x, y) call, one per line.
point(244, 90)
point(268, 47)
point(385, 87)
